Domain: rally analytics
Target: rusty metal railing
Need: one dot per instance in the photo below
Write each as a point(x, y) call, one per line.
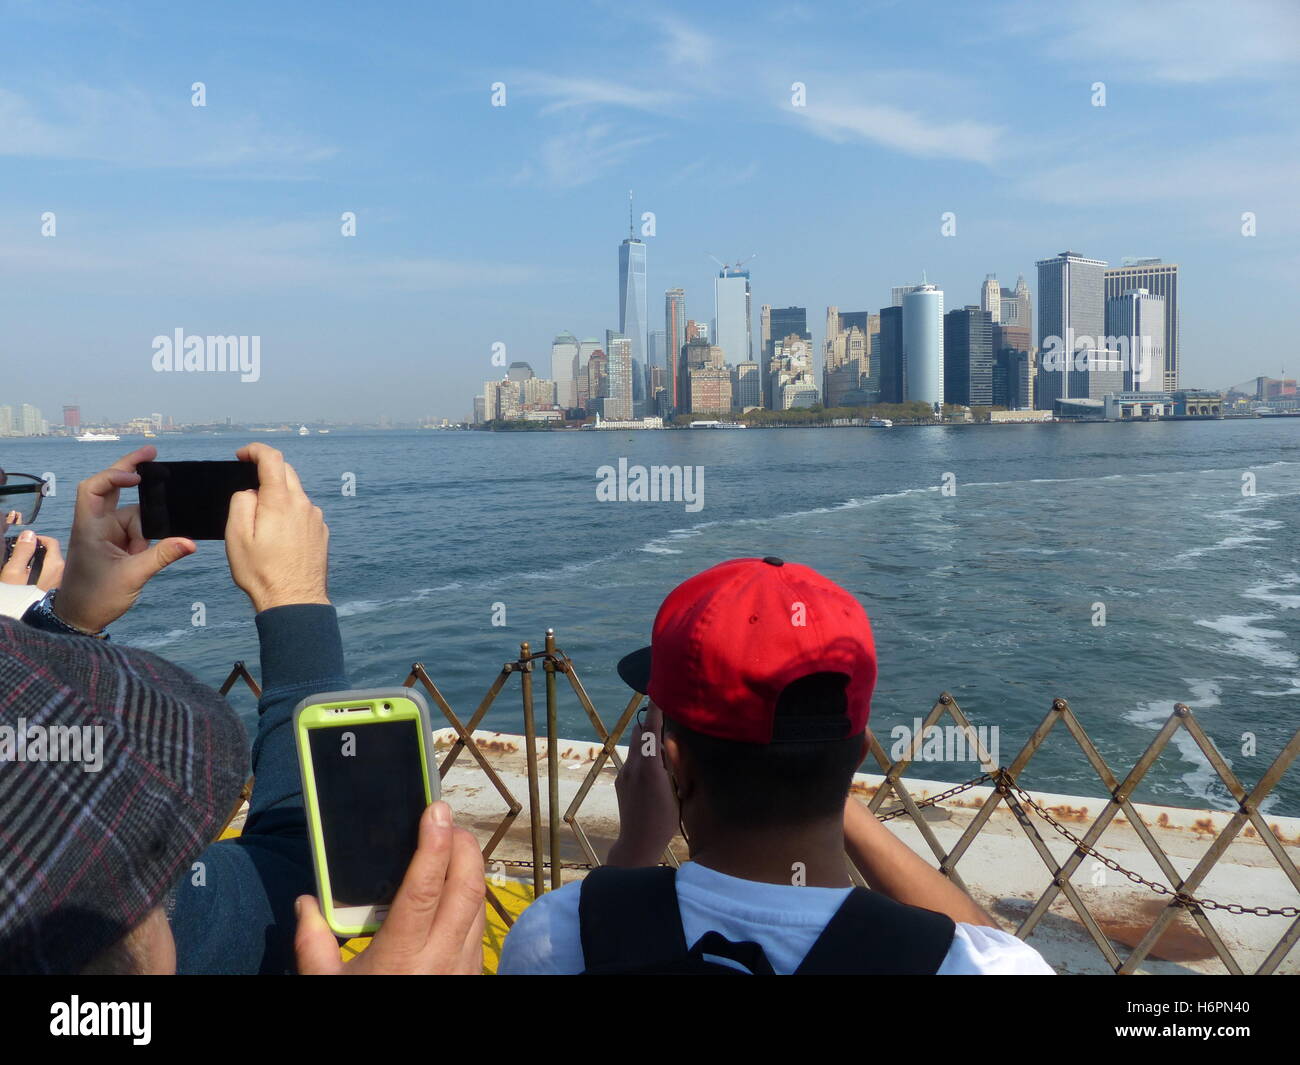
point(545, 837)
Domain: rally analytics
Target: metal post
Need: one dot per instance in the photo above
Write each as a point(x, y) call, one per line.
point(552, 761)
point(530, 742)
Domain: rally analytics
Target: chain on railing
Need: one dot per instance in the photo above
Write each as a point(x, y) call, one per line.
point(1004, 787)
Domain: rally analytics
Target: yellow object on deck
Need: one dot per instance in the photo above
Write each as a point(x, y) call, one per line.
point(514, 896)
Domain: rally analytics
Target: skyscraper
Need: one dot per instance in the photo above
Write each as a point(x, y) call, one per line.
point(632, 319)
point(732, 331)
point(968, 357)
point(597, 382)
point(747, 388)
point(619, 405)
point(893, 386)
point(675, 332)
point(923, 343)
point(1137, 320)
point(991, 299)
point(564, 369)
point(1071, 321)
point(1159, 279)
point(1016, 308)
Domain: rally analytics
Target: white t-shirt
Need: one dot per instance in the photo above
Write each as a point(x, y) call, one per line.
point(785, 920)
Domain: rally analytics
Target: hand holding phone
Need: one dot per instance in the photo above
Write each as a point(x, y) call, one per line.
point(276, 539)
point(190, 499)
point(435, 925)
point(109, 558)
point(368, 775)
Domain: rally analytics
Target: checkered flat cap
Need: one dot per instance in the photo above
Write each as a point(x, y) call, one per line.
point(116, 770)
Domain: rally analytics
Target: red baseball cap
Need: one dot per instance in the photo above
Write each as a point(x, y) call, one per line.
point(729, 640)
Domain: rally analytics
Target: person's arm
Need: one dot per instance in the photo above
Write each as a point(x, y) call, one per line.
point(891, 867)
point(238, 916)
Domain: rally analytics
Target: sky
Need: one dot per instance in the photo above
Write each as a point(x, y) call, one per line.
point(479, 225)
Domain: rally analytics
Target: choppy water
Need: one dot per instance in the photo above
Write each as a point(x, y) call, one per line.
point(987, 593)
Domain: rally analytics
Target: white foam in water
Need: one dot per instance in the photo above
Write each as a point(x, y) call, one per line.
point(1266, 592)
point(1201, 781)
point(366, 606)
point(1252, 643)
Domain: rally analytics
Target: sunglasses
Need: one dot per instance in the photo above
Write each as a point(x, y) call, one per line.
point(20, 497)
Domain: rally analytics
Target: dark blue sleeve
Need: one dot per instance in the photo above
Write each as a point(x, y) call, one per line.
point(233, 913)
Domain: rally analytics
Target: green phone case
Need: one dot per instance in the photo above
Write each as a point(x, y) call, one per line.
point(354, 709)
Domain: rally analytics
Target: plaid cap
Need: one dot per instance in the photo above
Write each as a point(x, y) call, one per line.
point(84, 856)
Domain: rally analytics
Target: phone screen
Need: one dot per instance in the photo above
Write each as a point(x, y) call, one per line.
point(370, 793)
point(190, 499)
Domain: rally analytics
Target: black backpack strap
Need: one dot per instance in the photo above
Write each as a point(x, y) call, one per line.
point(630, 915)
point(872, 935)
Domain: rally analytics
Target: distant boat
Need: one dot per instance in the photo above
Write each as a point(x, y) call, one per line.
point(322, 432)
point(303, 431)
point(97, 438)
point(149, 435)
point(880, 423)
point(717, 425)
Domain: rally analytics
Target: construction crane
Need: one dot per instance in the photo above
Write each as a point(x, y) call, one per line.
point(727, 267)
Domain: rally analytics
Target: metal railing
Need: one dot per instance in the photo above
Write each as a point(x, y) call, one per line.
point(545, 836)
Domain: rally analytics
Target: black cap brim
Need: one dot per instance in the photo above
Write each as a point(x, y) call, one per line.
point(635, 670)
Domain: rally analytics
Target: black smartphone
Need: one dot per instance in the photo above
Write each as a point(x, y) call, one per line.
point(190, 499)
point(34, 566)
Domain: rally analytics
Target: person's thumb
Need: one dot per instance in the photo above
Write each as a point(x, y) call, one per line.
point(160, 556)
point(15, 570)
point(313, 943)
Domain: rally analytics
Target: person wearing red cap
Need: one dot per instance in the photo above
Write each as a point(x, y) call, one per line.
point(760, 674)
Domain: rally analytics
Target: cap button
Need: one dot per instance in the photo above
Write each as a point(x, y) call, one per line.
point(772, 560)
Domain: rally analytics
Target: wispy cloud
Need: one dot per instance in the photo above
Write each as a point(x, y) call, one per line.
point(581, 155)
point(901, 130)
point(1184, 41)
point(565, 93)
point(129, 127)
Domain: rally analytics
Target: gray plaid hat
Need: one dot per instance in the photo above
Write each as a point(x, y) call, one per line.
point(116, 770)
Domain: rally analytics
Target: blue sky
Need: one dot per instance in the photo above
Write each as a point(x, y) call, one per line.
point(478, 224)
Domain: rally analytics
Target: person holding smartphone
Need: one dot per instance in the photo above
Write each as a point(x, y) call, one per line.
point(18, 590)
point(32, 564)
point(238, 904)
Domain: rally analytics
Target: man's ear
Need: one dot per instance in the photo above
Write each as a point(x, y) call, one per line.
point(678, 764)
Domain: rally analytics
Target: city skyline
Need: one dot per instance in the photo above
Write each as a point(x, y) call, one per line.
point(477, 225)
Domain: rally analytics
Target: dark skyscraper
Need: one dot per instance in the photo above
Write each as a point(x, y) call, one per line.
point(632, 296)
point(968, 357)
point(1071, 330)
point(675, 339)
point(892, 368)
